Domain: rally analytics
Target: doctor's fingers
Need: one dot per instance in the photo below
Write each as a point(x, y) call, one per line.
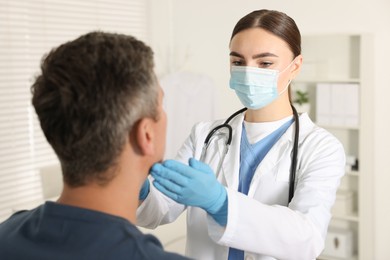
point(165, 190)
point(160, 172)
point(200, 166)
point(181, 168)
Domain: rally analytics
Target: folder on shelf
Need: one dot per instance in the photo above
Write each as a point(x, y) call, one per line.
point(337, 104)
point(351, 105)
point(323, 102)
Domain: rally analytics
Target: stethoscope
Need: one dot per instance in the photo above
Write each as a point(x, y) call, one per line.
point(215, 133)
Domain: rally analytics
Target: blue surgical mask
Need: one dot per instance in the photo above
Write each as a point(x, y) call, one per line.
point(255, 87)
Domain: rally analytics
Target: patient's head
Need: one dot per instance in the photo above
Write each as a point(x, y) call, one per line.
point(90, 95)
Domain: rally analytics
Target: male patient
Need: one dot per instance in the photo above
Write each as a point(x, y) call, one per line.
point(100, 107)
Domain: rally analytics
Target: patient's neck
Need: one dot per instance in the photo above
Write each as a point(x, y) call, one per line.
point(122, 203)
point(120, 196)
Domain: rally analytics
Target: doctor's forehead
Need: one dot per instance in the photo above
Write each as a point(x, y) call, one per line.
point(257, 41)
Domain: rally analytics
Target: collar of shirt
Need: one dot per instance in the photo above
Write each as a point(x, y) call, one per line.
point(257, 131)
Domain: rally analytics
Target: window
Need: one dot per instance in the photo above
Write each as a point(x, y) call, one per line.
point(28, 30)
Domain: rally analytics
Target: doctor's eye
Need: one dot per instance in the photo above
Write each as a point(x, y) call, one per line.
point(238, 63)
point(265, 64)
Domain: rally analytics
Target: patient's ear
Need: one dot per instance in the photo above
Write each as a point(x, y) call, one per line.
point(144, 135)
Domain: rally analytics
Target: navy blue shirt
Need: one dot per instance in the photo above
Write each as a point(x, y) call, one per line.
point(56, 231)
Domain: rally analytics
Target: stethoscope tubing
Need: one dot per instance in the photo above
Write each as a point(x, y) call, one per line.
point(294, 159)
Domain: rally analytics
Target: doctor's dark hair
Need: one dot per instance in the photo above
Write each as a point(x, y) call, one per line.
point(275, 22)
point(90, 94)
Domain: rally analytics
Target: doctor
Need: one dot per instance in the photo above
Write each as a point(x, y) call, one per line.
point(238, 201)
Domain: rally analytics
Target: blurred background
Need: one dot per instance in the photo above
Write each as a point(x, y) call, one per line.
point(346, 50)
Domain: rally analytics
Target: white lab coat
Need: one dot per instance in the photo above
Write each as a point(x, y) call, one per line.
point(260, 223)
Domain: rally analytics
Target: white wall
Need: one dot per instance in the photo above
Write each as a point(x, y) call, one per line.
point(200, 29)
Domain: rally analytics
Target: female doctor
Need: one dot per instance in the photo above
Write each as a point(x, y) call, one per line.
point(269, 196)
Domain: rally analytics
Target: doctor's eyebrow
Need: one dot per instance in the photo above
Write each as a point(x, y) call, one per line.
point(256, 56)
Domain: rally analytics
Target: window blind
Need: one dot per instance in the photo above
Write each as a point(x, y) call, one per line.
point(28, 30)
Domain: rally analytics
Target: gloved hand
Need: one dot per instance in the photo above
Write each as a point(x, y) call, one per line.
point(144, 190)
point(193, 185)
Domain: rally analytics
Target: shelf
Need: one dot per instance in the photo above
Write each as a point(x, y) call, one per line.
point(353, 173)
point(340, 63)
point(324, 257)
point(326, 80)
point(351, 217)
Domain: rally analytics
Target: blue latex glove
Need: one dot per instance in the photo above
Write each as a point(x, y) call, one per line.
point(144, 190)
point(193, 185)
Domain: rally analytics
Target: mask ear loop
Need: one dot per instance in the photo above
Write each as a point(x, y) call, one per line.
point(287, 66)
point(284, 90)
point(289, 81)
